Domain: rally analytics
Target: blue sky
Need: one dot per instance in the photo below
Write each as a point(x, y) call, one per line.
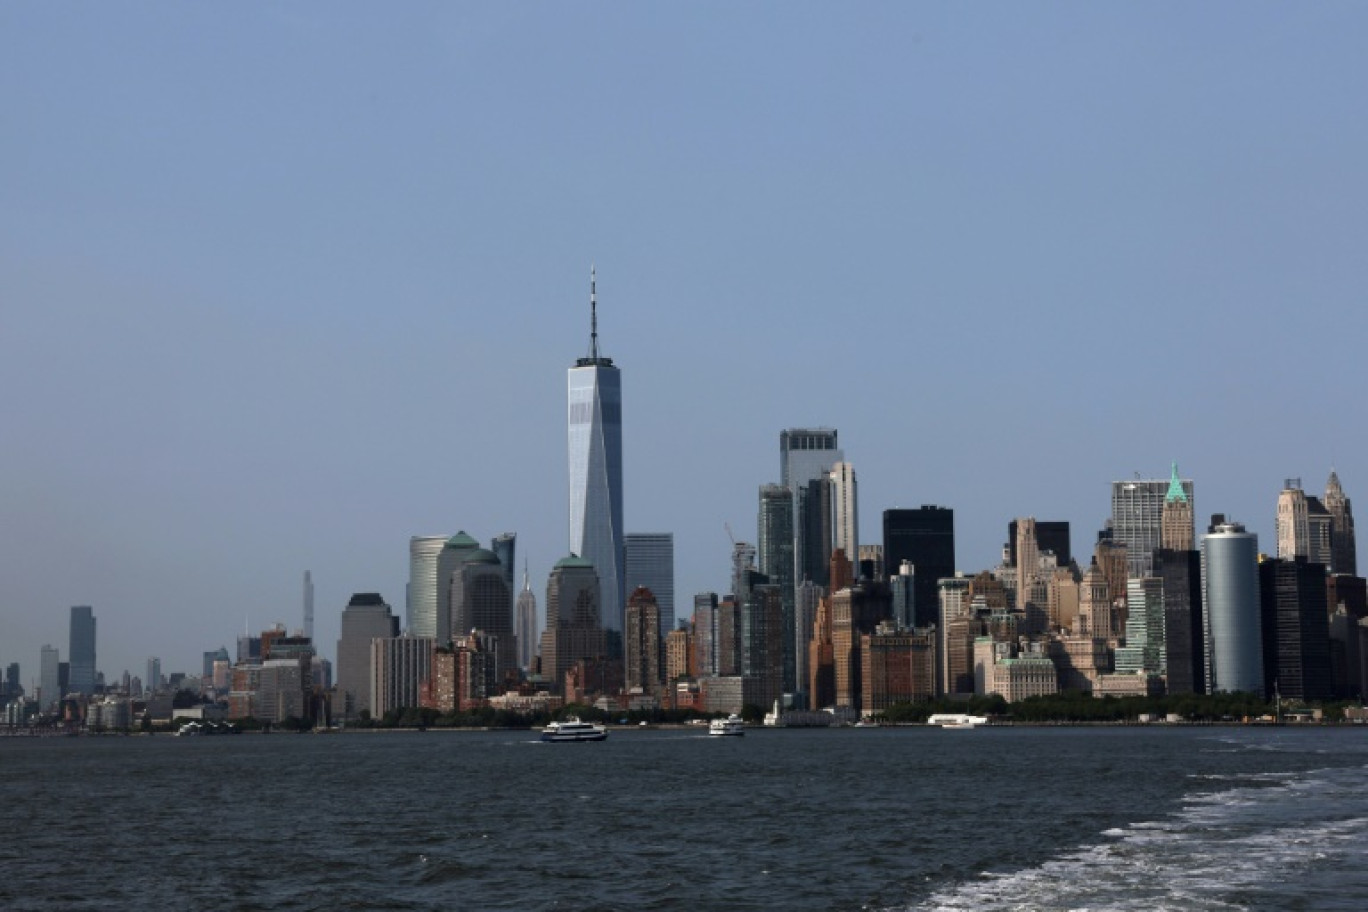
point(282, 285)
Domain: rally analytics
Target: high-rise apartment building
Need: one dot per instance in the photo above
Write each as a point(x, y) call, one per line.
point(525, 615)
point(641, 644)
point(81, 651)
point(1296, 629)
point(366, 617)
point(1137, 518)
point(705, 634)
point(1343, 547)
point(650, 563)
point(421, 610)
point(925, 537)
point(595, 460)
point(1230, 572)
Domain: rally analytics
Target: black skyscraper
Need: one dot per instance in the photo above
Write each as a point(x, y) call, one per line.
point(926, 537)
point(1184, 655)
point(1296, 629)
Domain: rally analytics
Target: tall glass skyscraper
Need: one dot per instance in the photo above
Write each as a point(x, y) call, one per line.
point(595, 451)
point(1230, 558)
point(421, 613)
point(650, 563)
point(81, 653)
point(1137, 513)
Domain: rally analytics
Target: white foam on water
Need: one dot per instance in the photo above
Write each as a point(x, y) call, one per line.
point(1212, 855)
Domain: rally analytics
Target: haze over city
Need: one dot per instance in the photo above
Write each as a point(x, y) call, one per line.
point(282, 287)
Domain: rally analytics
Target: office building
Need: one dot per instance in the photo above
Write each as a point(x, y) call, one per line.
point(153, 681)
point(81, 650)
point(1296, 629)
point(595, 461)
point(1144, 649)
point(366, 617)
point(845, 518)
point(1304, 525)
point(1050, 535)
point(455, 552)
point(705, 634)
point(806, 457)
point(1230, 572)
point(762, 635)
point(308, 604)
point(1175, 520)
point(480, 601)
point(574, 629)
point(525, 615)
point(775, 551)
point(925, 537)
point(650, 563)
point(49, 678)
point(896, 666)
point(421, 616)
point(1343, 547)
point(1137, 518)
point(1180, 573)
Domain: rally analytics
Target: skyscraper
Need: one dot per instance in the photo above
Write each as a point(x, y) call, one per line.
point(81, 650)
point(480, 600)
point(1137, 514)
point(774, 525)
point(366, 617)
point(49, 678)
point(1175, 518)
point(1181, 573)
point(153, 675)
point(1296, 629)
point(505, 548)
point(421, 617)
point(650, 563)
point(455, 552)
point(845, 518)
point(926, 537)
point(595, 460)
point(574, 629)
point(525, 617)
point(1230, 572)
point(1050, 535)
point(641, 643)
point(308, 604)
point(806, 455)
point(1343, 548)
point(1304, 525)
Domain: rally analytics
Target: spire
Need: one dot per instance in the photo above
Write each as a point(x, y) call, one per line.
point(527, 580)
point(1175, 491)
point(593, 312)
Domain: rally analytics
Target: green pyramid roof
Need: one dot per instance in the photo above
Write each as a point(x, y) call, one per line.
point(1175, 491)
point(461, 540)
point(574, 560)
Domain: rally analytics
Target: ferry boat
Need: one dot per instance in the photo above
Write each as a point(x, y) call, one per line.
point(956, 720)
point(572, 729)
point(732, 725)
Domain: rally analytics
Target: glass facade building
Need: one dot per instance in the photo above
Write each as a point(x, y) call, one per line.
point(1230, 574)
point(81, 653)
point(649, 560)
point(1137, 519)
point(421, 614)
point(925, 537)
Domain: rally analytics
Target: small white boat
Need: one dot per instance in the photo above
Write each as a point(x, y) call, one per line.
point(732, 725)
point(572, 729)
point(956, 720)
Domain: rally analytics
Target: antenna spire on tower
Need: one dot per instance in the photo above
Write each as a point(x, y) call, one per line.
point(593, 312)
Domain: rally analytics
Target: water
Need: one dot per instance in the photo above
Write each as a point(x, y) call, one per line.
point(880, 819)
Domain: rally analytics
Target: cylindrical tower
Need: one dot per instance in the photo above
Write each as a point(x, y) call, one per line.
point(1231, 577)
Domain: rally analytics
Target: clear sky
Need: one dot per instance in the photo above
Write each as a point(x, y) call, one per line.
point(284, 284)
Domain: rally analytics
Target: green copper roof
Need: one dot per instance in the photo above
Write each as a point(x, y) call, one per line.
point(461, 540)
point(574, 560)
point(1175, 491)
point(482, 556)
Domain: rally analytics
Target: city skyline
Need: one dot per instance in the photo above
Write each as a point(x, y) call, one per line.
point(340, 341)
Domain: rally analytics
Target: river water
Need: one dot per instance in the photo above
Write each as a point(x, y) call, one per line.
point(880, 819)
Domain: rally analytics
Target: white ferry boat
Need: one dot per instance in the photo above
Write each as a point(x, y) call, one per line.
point(732, 725)
point(956, 720)
point(572, 729)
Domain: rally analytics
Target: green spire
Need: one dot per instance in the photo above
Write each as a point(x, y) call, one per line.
point(1175, 491)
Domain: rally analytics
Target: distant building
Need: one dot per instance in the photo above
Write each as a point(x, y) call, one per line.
point(650, 563)
point(705, 635)
point(595, 461)
point(81, 654)
point(926, 538)
point(480, 600)
point(421, 610)
point(856, 609)
point(678, 656)
point(283, 690)
point(455, 552)
point(896, 666)
point(1051, 535)
point(525, 615)
point(367, 617)
point(153, 682)
point(641, 646)
point(775, 543)
point(1295, 629)
point(1144, 649)
point(1175, 519)
point(845, 515)
point(1180, 573)
point(806, 456)
point(49, 678)
point(1232, 610)
point(574, 630)
point(1343, 546)
point(399, 665)
point(762, 633)
point(1303, 525)
point(1137, 512)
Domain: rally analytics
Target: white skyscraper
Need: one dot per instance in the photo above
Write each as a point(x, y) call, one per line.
point(421, 619)
point(845, 521)
point(595, 460)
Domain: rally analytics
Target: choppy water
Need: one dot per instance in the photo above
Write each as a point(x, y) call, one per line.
point(887, 819)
